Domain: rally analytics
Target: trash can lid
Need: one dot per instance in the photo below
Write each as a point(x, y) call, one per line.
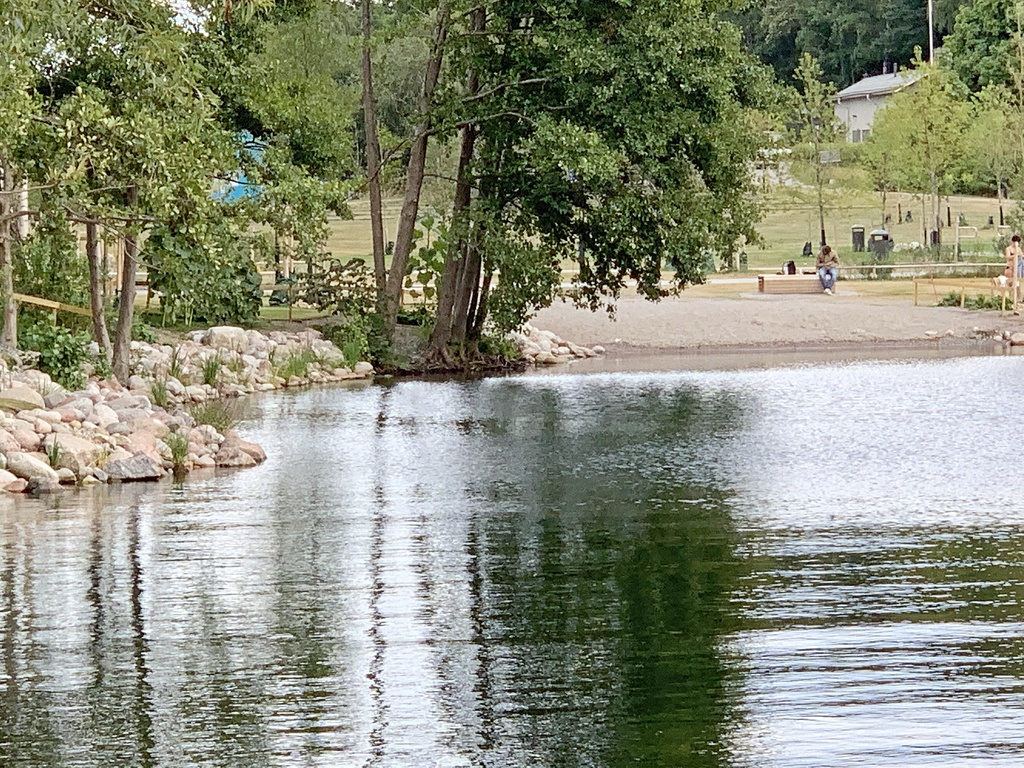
point(858, 227)
point(880, 232)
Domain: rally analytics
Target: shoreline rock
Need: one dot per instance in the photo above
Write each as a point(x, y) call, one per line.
point(109, 433)
point(546, 348)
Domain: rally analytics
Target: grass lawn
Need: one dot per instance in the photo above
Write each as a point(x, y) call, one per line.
point(790, 220)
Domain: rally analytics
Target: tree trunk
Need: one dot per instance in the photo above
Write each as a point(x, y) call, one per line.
point(468, 293)
point(450, 324)
point(96, 279)
point(126, 306)
point(24, 221)
point(455, 258)
point(414, 173)
point(373, 161)
point(9, 331)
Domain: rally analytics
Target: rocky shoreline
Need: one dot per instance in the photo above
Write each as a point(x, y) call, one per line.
point(107, 433)
point(546, 348)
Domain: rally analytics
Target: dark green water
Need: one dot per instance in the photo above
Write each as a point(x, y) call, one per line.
point(806, 566)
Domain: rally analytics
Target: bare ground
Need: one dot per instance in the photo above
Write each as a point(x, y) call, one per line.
point(744, 320)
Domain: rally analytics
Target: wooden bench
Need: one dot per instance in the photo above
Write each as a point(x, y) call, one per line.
point(806, 283)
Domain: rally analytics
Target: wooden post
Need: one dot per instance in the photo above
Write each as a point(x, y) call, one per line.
point(915, 292)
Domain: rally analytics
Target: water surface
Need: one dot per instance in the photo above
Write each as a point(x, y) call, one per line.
point(804, 566)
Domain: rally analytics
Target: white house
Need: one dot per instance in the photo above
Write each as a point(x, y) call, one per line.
point(857, 104)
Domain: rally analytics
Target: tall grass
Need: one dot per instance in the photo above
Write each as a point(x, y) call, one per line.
point(222, 413)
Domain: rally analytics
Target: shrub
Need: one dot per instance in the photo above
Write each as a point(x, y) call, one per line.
point(178, 443)
point(211, 369)
point(158, 392)
point(296, 363)
point(62, 352)
point(222, 414)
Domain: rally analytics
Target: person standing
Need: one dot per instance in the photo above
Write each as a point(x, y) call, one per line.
point(1014, 265)
point(828, 268)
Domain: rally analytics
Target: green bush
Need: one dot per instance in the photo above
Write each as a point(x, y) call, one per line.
point(62, 352)
point(204, 274)
point(48, 264)
point(222, 414)
point(352, 338)
point(952, 299)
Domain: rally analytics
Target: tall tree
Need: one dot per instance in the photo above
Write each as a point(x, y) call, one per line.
point(924, 127)
point(373, 181)
point(819, 128)
point(564, 159)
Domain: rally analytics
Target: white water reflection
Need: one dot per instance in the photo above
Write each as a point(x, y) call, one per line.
point(785, 567)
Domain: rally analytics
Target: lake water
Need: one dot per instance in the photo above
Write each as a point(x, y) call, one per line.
point(814, 565)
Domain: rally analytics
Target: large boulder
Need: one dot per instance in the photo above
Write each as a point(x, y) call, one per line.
point(26, 466)
point(137, 467)
point(74, 453)
point(226, 337)
point(103, 416)
point(8, 444)
point(42, 486)
point(20, 399)
point(231, 454)
point(144, 442)
point(233, 442)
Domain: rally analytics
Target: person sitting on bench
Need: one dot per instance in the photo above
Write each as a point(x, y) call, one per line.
point(828, 268)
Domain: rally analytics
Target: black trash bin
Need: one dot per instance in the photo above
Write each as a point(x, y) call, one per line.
point(858, 238)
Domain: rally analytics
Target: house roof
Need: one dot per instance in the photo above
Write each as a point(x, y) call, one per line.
point(879, 85)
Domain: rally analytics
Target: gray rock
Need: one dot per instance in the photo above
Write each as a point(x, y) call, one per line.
point(41, 486)
point(20, 399)
point(55, 397)
point(103, 416)
point(226, 337)
point(138, 467)
point(75, 453)
point(1016, 339)
point(66, 477)
point(100, 475)
point(26, 466)
point(232, 455)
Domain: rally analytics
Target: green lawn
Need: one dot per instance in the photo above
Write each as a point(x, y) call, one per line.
point(790, 220)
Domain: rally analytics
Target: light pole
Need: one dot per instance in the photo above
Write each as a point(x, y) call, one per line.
point(931, 32)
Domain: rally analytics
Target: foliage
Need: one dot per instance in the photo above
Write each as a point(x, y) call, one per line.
point(158, 391)
point(923, 131)
point(178, 443)
point(818, 127)
point(142, 331)
point(981, 301)
point(342, 288)
point(211, 369)
point(296, 363)
point(849, 39)
point(613, 136)
point(427, 261)
point(979, 47)
point(204, 272)
point(62, 353)
point(222, 413)
point(48, 264)
point(352, 337)
point(53, 454)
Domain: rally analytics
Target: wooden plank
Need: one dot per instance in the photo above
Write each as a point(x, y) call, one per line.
point(48, 304)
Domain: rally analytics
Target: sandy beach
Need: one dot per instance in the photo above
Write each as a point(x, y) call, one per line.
point(697, 322)
point(738, 327)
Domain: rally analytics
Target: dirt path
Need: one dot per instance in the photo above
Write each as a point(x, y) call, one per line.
point(748, 319)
